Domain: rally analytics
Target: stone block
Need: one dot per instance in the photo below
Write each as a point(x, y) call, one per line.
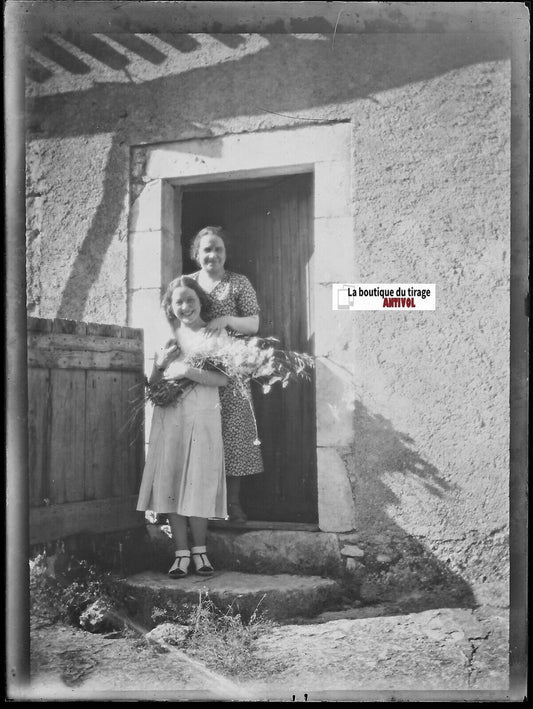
point(383, 559)
point(100, 617)
point(276, 551)
point(350, 538)
point(336, 509)
point(272, 551)
point(280, 596)
point(334, 394)
point(334, 252)
point(146, 210)
point(168, 634)
point(350, 550)
point(171, 257)
point(144, 308)
point(145, 259)
point(332, 189)
point(334, 329)
point(267, 150)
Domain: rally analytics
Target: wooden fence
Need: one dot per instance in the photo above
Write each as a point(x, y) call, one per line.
point(85, 427)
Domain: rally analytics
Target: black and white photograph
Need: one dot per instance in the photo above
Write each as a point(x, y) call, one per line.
point(267, 351)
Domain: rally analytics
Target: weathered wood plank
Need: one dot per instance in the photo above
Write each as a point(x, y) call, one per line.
point(59, 325)
point(59, 521)
point(90, 342)
point(133, 398)
point(118, 418)
point(69, 326)
point(124, 417)
point(132, 333)
point(80, 359)
point(81, 426)
point(66, 459)
point(99, 435)
point(39, 325)
point(38, 433)
point(104, 330)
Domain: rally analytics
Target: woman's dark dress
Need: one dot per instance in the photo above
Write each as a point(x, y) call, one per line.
point(234, 295)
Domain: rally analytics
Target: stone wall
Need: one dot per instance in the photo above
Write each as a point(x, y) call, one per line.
point(423, 397)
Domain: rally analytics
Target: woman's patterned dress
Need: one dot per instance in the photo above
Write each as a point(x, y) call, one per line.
point(234, 295)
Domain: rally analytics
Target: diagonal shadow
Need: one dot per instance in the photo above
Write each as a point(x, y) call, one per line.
point(229, 40)
point(90, 256)
point(387, 449)
point(141, 47)
point(58, 54)
point(182, 42)
point(413, 573)
point(35, 71)
point(245, 87)
point(242, 88)
point(98, 49)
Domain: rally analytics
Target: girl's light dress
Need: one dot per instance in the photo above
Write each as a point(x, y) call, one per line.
point(184, 469)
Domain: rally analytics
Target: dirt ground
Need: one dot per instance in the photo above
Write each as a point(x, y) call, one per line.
point(455, 652)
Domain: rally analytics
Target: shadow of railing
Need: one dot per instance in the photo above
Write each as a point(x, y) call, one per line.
point(55, 52)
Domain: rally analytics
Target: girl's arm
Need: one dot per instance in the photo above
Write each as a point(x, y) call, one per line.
point(206, 377)
point(210, 378)
point(156, 374)
point(162, 359)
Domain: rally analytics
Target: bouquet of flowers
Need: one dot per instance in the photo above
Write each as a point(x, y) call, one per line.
point(242, 359)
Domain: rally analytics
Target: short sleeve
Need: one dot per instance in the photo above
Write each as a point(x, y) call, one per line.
point(246, 298)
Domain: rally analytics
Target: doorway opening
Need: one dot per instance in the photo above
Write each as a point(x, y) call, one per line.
point(269, 222)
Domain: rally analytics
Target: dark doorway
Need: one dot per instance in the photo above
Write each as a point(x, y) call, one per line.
point(269, 222)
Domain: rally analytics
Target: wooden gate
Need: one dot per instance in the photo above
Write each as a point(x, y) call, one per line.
point(270, 225)
point(85, 427)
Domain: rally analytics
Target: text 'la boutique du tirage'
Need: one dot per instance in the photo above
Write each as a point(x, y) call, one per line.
point(379, 297)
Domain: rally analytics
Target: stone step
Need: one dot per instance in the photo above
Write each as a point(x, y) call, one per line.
point(153, 597)
point(257, 551)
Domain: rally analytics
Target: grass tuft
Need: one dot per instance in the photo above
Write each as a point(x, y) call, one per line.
point(224, 642)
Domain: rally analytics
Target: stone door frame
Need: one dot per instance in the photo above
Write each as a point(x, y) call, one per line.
point(154, 251)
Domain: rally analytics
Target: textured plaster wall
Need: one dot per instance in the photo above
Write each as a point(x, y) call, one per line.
point(423, 397)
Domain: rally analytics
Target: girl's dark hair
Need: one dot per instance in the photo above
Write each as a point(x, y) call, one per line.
point(207, 230)
point(185, 282)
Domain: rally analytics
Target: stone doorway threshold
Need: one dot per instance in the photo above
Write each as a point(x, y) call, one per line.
point(258, 547)
point(220, 525)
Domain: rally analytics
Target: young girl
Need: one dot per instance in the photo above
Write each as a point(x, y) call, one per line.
point(184, 472)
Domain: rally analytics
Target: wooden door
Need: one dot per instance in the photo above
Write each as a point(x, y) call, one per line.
point(270, 225)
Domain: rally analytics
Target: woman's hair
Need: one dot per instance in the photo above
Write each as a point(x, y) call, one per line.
point(206, 231)
point(185, 282)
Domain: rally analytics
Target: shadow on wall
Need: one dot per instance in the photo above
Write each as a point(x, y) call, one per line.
point(396, 566)
point(105, 221)
point(188, 104)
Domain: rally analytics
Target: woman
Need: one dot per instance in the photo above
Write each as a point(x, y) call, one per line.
point(183, 477)
point(233, 306)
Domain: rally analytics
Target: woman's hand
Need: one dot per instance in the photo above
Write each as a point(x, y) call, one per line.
point(176, 370)
point(168, 354)
point(216, 326)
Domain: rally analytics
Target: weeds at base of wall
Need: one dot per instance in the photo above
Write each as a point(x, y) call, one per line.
point(61, 597)
point(222, 641)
